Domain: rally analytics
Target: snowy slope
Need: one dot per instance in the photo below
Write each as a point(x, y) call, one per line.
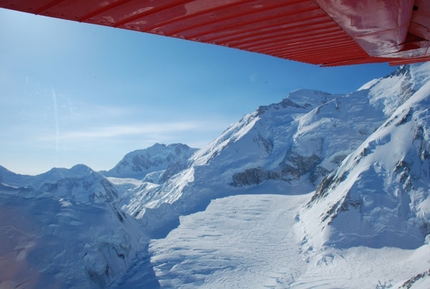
point(392, 91)
point(379, 196)
point(62, 229)
point(250, 245)
point(51, 242)
point(247, 241)
point(159, 160)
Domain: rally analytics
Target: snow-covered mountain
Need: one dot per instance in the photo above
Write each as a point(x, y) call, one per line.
point(296, 143)
point(314, 141)
point(80, 183)
point(156, 163)
point(62, 229)
point(316, 191)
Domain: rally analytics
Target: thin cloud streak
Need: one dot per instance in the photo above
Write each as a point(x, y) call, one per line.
point(103, 132)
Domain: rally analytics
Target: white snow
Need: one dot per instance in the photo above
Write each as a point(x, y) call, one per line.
point(242, 241)
point(249, 241)
point(159, 157)
point(129, 182)
point(56, 243)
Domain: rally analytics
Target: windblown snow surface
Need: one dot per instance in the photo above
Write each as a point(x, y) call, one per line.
point(317, 191)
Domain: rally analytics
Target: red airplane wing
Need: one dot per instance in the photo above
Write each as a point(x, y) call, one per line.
point(322, 32)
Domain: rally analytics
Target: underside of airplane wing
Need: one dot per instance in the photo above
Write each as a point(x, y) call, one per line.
point(321, 32)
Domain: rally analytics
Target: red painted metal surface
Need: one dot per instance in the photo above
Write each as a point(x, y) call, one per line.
point(324, 32)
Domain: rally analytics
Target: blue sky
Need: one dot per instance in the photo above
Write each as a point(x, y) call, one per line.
point(77, 93)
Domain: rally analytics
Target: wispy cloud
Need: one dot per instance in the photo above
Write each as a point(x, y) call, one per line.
point(102, 132)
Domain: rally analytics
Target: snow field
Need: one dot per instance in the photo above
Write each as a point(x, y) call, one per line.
point(252, 241)
point(242, 241)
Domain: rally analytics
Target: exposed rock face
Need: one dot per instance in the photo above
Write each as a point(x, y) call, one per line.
point(295, 168)
point(253, 176)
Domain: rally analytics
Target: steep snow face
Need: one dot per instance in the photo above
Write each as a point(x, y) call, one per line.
point(393, 90)
point(165, 160)
point(80, 184)
point(379, 196)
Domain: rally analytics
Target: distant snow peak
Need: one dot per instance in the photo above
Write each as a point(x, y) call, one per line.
point(81, 169)
point(299, 100)
point(139, 163)
point(308, 97)
point(79, 184)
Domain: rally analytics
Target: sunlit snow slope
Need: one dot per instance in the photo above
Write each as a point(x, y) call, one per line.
point(379, 195)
